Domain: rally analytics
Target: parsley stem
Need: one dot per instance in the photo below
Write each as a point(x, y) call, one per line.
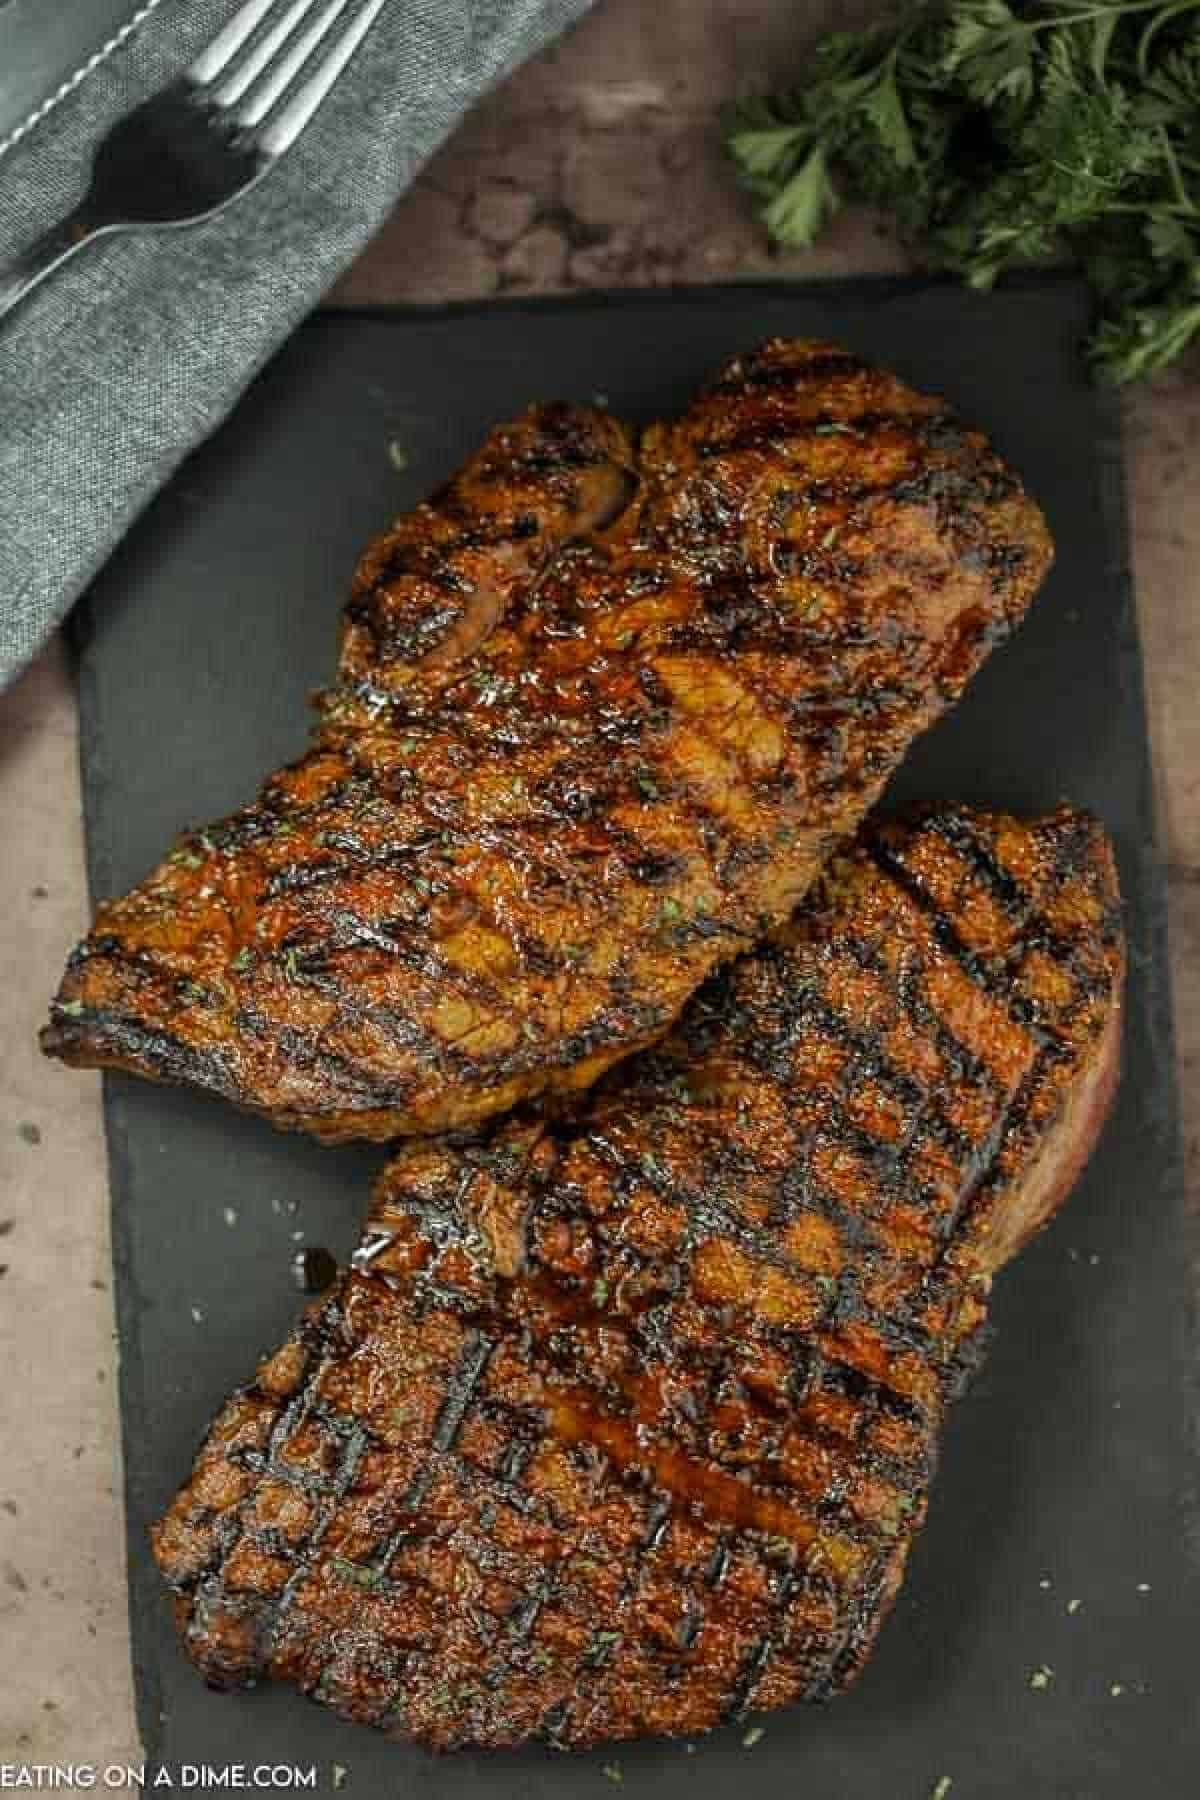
point(1173, 207)
point(1152, 30)
point(1185, 201)
point(1119, 7)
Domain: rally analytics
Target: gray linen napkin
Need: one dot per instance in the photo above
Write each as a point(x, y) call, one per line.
point(127, 358)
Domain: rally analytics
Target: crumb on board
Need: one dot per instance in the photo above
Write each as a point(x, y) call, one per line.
point(229, 1214)
point(1045, 1583)
point(28, 1132)
point(941, 1787)
point(613, 1772)
point(1117, 1689)
point(197, 1316)
point(754, 1736)
point(1041, 1678)
point(1073, 1606)
point(397, 456)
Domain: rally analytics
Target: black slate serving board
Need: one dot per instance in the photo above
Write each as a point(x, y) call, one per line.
point(1062, 1471)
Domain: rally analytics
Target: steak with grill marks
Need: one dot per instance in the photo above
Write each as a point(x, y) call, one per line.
point(604, 707)
point(626, 1425)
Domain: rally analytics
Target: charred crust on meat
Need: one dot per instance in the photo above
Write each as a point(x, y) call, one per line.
point(603, 703)
point(624, 1421)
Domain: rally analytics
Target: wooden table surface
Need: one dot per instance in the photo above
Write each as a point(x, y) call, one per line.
point(597, 165)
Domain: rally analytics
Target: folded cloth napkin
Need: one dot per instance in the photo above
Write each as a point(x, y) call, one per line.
point(129, 356)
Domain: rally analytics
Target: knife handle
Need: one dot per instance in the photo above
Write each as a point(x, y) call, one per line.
point(45, 253)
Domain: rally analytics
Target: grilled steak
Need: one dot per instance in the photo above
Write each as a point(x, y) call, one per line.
point(626, 1425)
point(604, 709)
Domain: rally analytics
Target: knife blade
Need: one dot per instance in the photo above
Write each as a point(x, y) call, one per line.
point(43, 44)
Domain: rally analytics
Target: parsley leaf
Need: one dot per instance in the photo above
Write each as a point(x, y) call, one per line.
point(804, 204)
point(1001, 133)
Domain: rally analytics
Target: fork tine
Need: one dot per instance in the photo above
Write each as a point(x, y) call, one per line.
point(229, 40)
point(279, 78)
point(291, 119)
point(247, 71)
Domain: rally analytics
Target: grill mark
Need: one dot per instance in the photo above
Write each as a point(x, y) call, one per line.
point(427, 1048)
point(758, 434)
point(857, 703)
point(957, 1056)
point(295, 877)
point(862, 1624)
point(102, 1032)
point(273, 1610)
point(895, 1329)
point(1015, 902)
point(869, 1064)
point(577, 1419)
point(459, 1391)
point(755, 1664)
point(979, 482)
point(1031, 929)
point(857, 1456)
point(1013, 1122)
point(813, 1008)
point(944, 934)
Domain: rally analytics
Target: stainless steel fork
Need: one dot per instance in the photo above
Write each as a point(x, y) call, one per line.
point(211, 134)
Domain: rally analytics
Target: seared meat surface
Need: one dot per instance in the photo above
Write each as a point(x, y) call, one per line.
point(626, 1425)
point(605, 705)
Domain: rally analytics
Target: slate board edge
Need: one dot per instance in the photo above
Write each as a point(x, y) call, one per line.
point(142, 1585)
point(144, 1589)
point(1155, 979)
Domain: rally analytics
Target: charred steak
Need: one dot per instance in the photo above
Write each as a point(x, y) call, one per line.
point(605, 705)
point(627, 1425)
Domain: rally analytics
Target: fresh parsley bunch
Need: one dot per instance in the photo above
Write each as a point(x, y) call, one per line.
point(999, 133)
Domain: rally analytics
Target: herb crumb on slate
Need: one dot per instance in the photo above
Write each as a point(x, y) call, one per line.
point(998, 135)
point(1041, 1678)
point(614, 1772)
point(754, 1736)
point(941, 1788)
